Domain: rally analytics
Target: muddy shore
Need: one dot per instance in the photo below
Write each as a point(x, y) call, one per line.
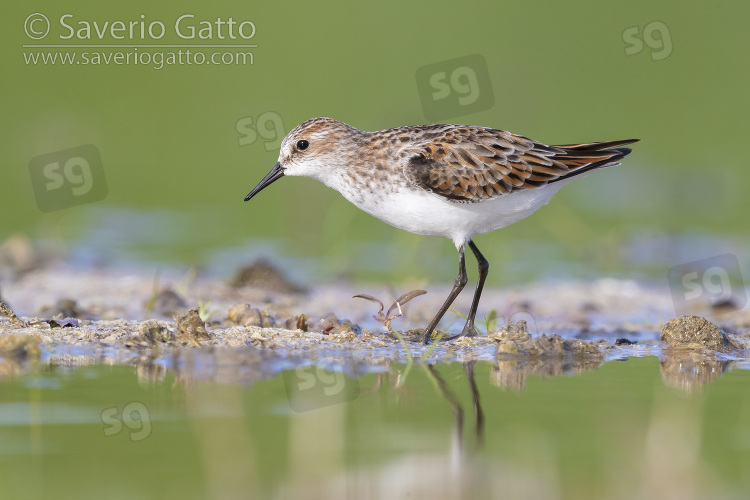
point(258, 323)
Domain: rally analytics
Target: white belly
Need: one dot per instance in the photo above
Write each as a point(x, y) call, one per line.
point(422, 212)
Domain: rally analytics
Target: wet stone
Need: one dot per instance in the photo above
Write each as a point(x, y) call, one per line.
point(296, 323)
point(739, 340)
point(524, 306)
point(549, 346)
point(261, 274)
point(169, 303)
point(155, 332)
point(515, 340)
point(6, 311)
point(342, 337)
point(693, 333)
point(246, 315)
point(725, 306)
point(332, 325)
point(58, 322)
point(192, 325)
point(517, 332)
point(589, 307)
point(65, 308)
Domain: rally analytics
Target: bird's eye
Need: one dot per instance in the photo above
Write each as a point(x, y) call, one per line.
point(302, 145)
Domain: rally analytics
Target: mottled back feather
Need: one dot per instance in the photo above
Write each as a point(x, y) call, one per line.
point(472, 164)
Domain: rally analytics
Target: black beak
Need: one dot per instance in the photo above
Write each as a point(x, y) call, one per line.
point(276, 173)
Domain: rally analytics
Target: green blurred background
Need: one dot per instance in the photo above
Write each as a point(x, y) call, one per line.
point(177, 167)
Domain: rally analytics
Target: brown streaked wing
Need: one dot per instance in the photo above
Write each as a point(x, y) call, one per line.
point(472, 164)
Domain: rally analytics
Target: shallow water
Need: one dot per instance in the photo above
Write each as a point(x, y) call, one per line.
point(307, 417)
point(196, 425)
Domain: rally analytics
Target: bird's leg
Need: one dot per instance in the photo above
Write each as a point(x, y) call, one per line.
point(484, 267)
point(458, 285)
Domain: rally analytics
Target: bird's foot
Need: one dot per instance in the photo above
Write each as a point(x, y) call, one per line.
point(424, 337)
point(469, 330)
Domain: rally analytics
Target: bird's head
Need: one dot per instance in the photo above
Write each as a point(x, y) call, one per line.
point(319, 148)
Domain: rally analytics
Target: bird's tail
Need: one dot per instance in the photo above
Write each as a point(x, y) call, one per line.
point(582, 158)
